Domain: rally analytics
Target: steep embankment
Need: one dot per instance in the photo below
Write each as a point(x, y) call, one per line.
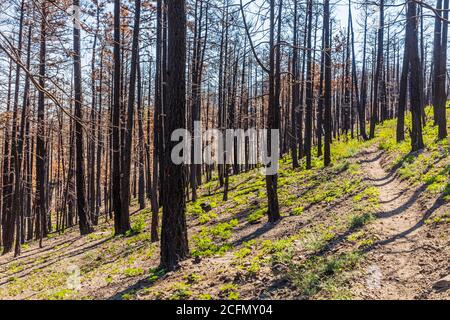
point(371, 226)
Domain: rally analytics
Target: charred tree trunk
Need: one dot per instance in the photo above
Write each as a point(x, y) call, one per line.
point(174, 242)
point(414, 62)
point(327, 92)
point(440, 68)
point(126, 156)
point(140, 142)
point(41, 209)
point(121, 223)
point(295, 90)
point(83, 213)
point(378, 73)
point(309, 89)
point(273, 118)
point(402, 97)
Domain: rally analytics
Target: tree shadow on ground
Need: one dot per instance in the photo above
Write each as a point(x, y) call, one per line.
point(436, 205)
point(405, 206)
point(38, 251)
point(370, 160)
point(139, 285)
point(399, 194)
point(32, 266)
point(256, 233)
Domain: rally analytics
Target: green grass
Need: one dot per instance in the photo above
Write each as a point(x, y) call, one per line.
point(213, 240)
point(181, 291)
point(61, 294)
point(441, 219)
point(430, 167)
point(256, 216)
point(357, 221)
point(229, 291)
point(155, 274)
point(133, 272)
point(319, 272)
point(204, 296)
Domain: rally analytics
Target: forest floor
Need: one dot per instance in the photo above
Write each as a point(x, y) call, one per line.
point(372, 226)
point(410, 254)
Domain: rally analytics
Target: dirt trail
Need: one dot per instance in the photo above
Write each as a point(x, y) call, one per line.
point(406, 258)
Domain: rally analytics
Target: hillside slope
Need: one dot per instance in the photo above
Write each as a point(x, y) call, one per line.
point(372, 226)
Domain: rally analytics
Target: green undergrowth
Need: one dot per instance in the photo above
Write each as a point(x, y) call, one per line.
point(320, 240)
point(213, 240)
point(430, 166)
point(439, 219)
point(301, 192)
point(333, 202)
point(98, 258)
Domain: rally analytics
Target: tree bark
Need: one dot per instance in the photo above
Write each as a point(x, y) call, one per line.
point(379, 67)
point(83, 213)
point(174, 242)
point(414, 62)
point(327, 92)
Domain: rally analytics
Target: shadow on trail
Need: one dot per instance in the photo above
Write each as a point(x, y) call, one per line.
point(399, 194)
point(370, 160)
point(334, 243)
point(384, 181)
point(437, 204)
point(405, 206)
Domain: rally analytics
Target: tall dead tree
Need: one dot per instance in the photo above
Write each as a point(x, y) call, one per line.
point(295, 89)
point(359, 106)
point(309, 89)
point(83, 214)
point(400, 132)
point(440, 67)
point(121, 221)
point(126, 154)
point(9, 191)
point(273, 118)
point(157, 126)
point(327, 89)
point(174, 242)
point(411, 39)
point(374, 118)
point(41, 158)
